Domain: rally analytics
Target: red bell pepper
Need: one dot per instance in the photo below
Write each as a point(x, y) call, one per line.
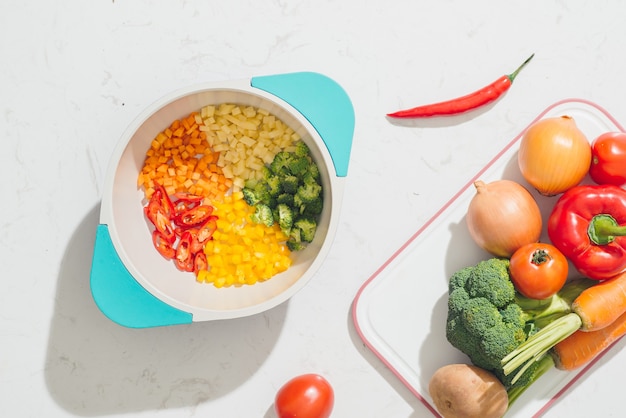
point(588, 225)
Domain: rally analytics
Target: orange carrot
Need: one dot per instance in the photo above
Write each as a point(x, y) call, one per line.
point(581, 347)
point(181, 159)
point(600, 305)
point(595, 309)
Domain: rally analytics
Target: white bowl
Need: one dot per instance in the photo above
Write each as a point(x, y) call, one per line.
point(130, 278)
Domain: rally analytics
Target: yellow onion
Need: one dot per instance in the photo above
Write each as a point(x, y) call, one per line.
point(554, 155)
point(502, 217)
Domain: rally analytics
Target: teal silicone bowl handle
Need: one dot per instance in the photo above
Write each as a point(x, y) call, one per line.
point(324, 103)
point(120, 297)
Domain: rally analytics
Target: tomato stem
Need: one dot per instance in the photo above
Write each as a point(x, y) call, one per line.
point(540, 256)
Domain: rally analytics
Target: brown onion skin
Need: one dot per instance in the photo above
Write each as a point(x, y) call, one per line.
point(554, 155)
point(502, 217)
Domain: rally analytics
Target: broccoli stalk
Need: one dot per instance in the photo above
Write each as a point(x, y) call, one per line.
point(488, 320)
point(533, 373)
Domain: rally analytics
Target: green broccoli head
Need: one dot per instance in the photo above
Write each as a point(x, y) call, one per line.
point(490, 279)
point(307, 227)
point(263, 215)
point(274, 186)
point(500, 340)
point(458, 280)
point(313, 207)
point(250, 197)
point(285, 199)
point(302, 150)
point(298, 165)
point(308, 192)
point(290, 184)
point(483, 321)
point(285, 218)
point(480, 315)
point(280, 164)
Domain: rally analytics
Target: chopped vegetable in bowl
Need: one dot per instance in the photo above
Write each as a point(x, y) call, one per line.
point(221, 158)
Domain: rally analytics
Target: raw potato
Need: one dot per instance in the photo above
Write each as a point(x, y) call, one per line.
point(466, 391)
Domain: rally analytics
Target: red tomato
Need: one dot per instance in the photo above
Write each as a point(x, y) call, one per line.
point(538, 270)
point(305, 396)
point(608, 162)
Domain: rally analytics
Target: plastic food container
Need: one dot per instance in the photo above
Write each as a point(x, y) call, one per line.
point(136, 287)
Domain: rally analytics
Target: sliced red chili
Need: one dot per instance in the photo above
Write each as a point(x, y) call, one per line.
point(184, 258)
point(194, 216)
point(196, 246)
point(200, 262)
point(206, 230)
point(185, 201)
point(157, 215)
point(160, 194)
point(163, 245)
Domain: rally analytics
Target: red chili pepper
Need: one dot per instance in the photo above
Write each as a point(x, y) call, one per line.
point(161, 196)
point(194, 216)
point(157, 215)
point(184, 258)
point(206, 230)
point(588, 225)
point(466, 103)
point(200, 262)
point(163, 245)
point(185, 201)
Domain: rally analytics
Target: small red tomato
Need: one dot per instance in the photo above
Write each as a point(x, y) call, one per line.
point(305, 396)
point(538, 270)
point(608, 159)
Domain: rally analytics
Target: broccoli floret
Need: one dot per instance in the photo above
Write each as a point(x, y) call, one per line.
point(488, 320)
point(285, 199)
point(479, 315)
point(273, 185)
point(294, 245)
point(250, 196)
point(314, 207)
point(285, 217)
point(308, 192)
point(265, 173)
point(302, 150)
point(490, 279)
point(298, 165)
point(259, 193)
point(314, 172)
point(263, 215)
point(307, 227)
point(459, 278)
point(288, 191)
point(290, 184)
point(280, 164)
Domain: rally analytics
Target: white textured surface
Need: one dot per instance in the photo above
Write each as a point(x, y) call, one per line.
point(73, 74)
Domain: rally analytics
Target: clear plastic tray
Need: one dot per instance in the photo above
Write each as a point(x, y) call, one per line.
point(400, 311)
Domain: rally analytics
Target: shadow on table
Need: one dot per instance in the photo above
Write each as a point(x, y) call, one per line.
point(420, 410)
point(96, 367)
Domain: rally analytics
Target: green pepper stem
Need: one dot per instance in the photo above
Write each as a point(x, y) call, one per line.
point(603, 229)
point(514, 73)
